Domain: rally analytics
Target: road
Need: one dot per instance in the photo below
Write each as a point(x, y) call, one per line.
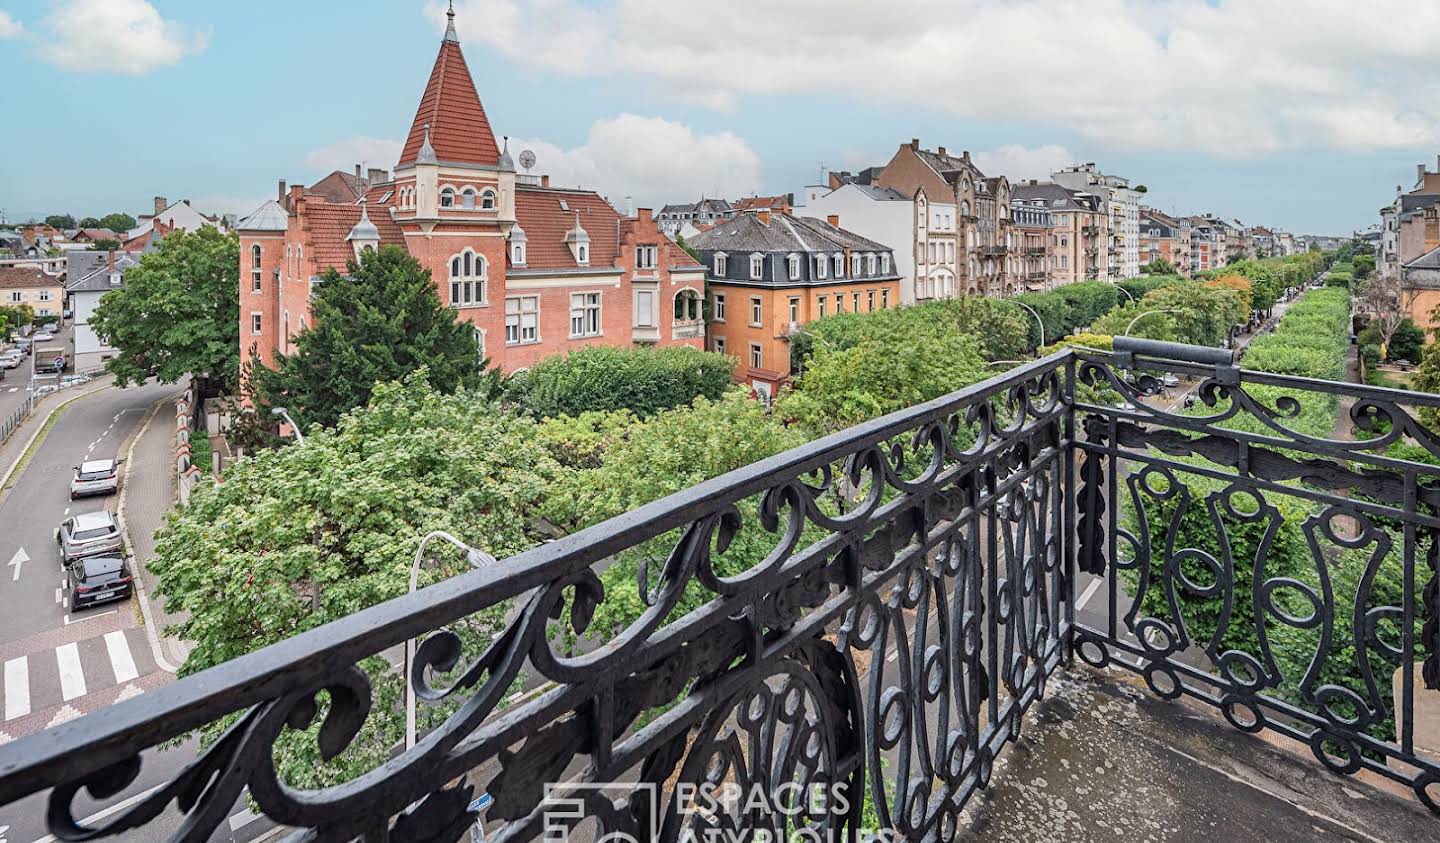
point(55, 664)
point(13, 384)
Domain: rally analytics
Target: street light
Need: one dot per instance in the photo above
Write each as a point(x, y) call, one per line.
point(1038, 320)
point(477, 559)
point(1125, 291)
point(1147, 313)
point(279, 412)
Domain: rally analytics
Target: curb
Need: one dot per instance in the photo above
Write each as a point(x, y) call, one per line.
point(30, 443)
point(152, 633)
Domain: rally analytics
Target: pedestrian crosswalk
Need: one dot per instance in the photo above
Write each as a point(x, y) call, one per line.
point(40, 681)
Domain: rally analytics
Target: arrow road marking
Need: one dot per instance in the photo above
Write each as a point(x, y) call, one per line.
point(20, 558)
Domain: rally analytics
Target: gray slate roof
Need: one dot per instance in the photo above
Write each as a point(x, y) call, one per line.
point(783, 234)
point(1056, 197)
point(267, 217)
point(885, 194)
point(97, 277)
point(1429, 260)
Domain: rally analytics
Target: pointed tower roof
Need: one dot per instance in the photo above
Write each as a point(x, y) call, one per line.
point(459, 130)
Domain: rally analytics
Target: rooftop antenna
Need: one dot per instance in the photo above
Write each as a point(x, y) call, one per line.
point(822, 173)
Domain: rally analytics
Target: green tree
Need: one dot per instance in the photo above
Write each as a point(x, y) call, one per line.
point(1159, 266)
point(105, 244)
point(177, 314)
point(117, 222)
point(89, 222)
point(378, 322)
point(13, 318)
point(60, 221)
point(298, 537)
point(1407, 342)
point(643, 380)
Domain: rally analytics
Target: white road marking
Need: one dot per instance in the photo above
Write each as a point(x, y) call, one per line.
point(67, 510)
point(69, 621)
point(57, 595)
point(14, 389)
point(1089, 592)
point(242, 819)
point(17, 688)
point(72, 675)
point(120, 658)
point(20, 558)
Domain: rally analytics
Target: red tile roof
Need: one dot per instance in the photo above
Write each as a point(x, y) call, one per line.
point(545, 223)
point(762, 203)
point(138, 243)
point(459, 130)
point(24, 277)
point(339, 186)
point(327, 225)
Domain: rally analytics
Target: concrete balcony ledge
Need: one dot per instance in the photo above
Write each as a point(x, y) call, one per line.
point(1100, 758)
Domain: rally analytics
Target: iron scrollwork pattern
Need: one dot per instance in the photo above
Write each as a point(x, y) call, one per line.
point(1284, 577)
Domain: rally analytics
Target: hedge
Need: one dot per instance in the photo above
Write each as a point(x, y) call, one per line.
point(644, 381)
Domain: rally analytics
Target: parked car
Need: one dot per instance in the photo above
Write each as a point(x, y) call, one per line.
point(88, 534)
point(25, 345)
point(95, 477)
point(11, 359)
point(43, 336)
point(98, 579)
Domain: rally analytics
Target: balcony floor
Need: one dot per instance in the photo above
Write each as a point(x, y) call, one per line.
point(1101, 759)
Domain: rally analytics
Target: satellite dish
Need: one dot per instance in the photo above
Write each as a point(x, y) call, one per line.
point(527, 159)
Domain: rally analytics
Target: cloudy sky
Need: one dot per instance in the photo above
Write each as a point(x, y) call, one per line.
point(1299, 113)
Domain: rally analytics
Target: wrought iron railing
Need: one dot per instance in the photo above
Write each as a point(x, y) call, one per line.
point(870, 615)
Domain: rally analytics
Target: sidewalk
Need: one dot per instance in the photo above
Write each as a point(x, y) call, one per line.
point(148, 495)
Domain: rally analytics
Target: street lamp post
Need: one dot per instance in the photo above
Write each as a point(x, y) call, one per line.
point(1147, 313)
point(280, 412)
point(1038, 320)
point(477, 559)
point(1127, 293)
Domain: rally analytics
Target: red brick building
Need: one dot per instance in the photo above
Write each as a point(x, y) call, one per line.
point(535, 269)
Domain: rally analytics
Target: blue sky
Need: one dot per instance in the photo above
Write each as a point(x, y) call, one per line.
point(216, 101)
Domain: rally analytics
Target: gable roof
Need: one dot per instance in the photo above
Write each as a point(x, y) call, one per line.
point(1429, 260)
point(96, 277)
point(25, 277)
point(459, 130)
point(540, 214)
point(340, 186)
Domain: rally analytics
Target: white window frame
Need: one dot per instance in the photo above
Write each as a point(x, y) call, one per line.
point(447, 197)
point(794, 310)
point(489, 201)
point(719, 345)
point(885, 263)
point(757, 267)
point(837, 261)
point(645, 309)
point(467, 198)
point(585, 318)
point(645, 256)
point(792, 263)
point(693, 307)
point(717, 313)
point(757, 355)
point(722, 262)
point(757, 312)
point(255, 280)
point(821, 263)
point(479, 340)
point(869, 263)
point(257, 323)
point(854, 265)
point(523, 334)
point(469, 277)
point(517, 254)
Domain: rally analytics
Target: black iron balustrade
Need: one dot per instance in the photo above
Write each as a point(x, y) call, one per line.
point(872, 613)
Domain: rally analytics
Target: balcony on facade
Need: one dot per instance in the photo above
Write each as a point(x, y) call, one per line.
point(997, 249)
point(1090, 230)
point(1034, 250)
point(885, 610)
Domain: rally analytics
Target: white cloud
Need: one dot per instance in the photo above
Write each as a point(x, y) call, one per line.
point(650, 160)
point(345, 154)
point(1018, 162)
point(117, 36)
point(1233, 78)
point(9, 27)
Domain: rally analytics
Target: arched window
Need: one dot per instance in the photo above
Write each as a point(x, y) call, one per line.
point(757, 266)
point(487, 200)
point(885, 263)
point(965, 208)
point(870, 263)
point(837, 262)
point(467, 198)
point(821, 262)
point(792, 263)
point(517, 254)
point(854, 266)
point(467, 279)
point(687, 306)
point(721, 264)
point(255, 268)
point(447, 197)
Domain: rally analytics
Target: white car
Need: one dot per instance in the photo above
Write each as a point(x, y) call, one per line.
point(95, 477)
point(43, 336)
point(11, 360)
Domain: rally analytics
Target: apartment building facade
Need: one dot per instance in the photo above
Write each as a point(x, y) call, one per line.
point(1163, 237)
point(1121, 206)
point(769, 274)
point(1078, 229)
point(534, 269)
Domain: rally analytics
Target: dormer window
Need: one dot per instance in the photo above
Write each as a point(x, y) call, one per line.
point(757, 266)
point(487, 200)
point(447, 197)
point(793, 264)
point(721, 261)
point(820, 264)
point(870, 264)
point(582, 255)
point(885, 263)
point(855, 266)
point(837, 262)
point(467, 198)
point(517, 254)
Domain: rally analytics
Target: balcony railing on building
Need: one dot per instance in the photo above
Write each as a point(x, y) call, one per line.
point(875, 611)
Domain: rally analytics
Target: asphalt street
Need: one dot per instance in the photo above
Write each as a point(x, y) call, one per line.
point(15, 381)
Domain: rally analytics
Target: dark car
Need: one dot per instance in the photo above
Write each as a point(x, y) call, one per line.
point(98, 579)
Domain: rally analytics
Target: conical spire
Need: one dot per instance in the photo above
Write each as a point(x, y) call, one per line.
point(459, 130)
point(506, 163)
point(426, 155)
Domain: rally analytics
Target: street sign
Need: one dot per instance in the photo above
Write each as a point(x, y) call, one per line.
point(481, 803)
point(59, 362)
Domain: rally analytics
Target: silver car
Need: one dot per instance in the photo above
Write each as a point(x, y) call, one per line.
point(11, 359)
point(89, 534)
point(95, 477)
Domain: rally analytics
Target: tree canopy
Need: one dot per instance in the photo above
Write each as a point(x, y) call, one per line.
point(602, 378)
point(117, 222)
point(60, 221)
point(378, 322)
point(178, 313)
point(1159, 266)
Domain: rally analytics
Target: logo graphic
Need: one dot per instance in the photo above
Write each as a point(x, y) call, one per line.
point(567, 805)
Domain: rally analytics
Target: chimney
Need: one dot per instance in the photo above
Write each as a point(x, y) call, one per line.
point(914, 143)
point(965, 156)
point(940, 149)
point(764, 217)
point(1432, 228)
point(357, 171)
point(378, 176)
point(834, 220)
point(161, 204)
point(186, 201)
point(111, 260)
point(643, 216)
point(1419, 174)
point(280, 197)
point(545, 181)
